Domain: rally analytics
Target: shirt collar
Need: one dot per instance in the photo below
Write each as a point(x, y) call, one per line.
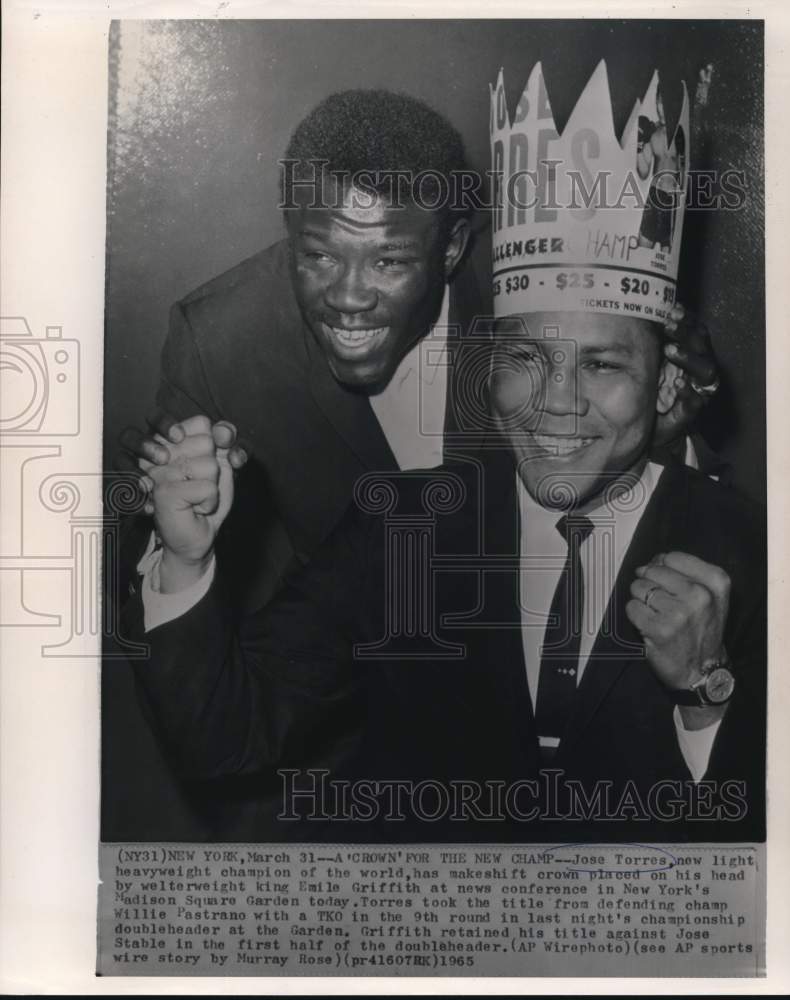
point(625, 510)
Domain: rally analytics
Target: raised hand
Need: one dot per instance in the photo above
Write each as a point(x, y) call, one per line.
point(680, 606)
point(190, 496)
point(153, 445)
point(689, 347)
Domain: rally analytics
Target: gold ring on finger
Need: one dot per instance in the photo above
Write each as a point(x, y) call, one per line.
point(649, 594)
point(705, 390)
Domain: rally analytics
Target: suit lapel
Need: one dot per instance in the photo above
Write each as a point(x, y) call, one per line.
point(501, 644)
point(618, 642)
point(350, 413)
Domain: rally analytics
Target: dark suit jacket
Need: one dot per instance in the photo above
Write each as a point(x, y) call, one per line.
point(287, 687)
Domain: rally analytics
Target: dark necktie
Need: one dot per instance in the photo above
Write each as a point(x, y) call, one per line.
point(559, 662)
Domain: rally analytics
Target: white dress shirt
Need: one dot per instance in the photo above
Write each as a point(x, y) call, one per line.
point(543, 555)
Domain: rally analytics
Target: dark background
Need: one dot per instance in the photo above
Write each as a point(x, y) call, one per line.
point(200, 112)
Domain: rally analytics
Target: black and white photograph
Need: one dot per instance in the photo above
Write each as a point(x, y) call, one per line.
point(453, 523)
point(442, 393)
point(420, 572)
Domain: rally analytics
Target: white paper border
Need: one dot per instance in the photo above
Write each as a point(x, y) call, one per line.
point(53, 228)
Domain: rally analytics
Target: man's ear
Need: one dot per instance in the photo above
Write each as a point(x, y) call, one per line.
point(670, 379)
point(456, 245)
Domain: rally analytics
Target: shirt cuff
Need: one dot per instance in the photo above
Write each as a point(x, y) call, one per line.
point(695, 744)
point(158, 608)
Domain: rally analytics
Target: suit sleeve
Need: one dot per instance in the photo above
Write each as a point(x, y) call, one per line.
point(183, 392)
point(277, 688)
point(183, 388)
point(738, 754)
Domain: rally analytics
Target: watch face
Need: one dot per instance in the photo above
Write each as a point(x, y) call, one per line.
point(719, 685)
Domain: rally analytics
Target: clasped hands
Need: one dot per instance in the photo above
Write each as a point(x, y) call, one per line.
point(190, 494)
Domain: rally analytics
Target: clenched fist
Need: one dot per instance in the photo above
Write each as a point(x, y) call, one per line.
point(680, 606)
point(190, 495)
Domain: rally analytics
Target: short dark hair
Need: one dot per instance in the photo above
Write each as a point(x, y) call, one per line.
point(378, 133)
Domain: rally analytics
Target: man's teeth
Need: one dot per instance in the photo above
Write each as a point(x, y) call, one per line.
point(353, 338)
point(560, 445)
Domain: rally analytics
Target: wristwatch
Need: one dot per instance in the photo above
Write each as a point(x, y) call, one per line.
point(715, 687)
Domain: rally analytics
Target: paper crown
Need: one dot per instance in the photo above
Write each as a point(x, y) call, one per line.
point(584, 221)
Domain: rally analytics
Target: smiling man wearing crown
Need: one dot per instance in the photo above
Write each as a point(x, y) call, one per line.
point(656, 578)
point(593, 615)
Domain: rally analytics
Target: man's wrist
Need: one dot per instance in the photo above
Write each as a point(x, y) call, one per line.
point(700, 716)
point(177, 572)
point(709, 687)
